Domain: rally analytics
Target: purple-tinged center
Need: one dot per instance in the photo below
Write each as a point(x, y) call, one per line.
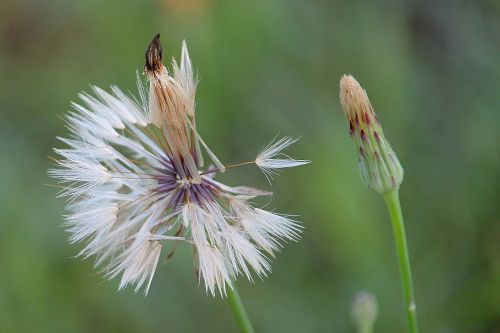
point(184, 190)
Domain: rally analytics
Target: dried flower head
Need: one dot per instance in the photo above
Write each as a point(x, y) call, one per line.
point(133, 175)
point(380, 167)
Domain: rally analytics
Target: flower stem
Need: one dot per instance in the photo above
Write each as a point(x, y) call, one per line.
point(238, 309)
point(392, 201)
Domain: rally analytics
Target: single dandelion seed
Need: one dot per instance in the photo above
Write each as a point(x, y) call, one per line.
point(266, 160)
point(133, 175)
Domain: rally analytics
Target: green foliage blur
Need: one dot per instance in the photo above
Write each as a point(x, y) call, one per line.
point(432, 71)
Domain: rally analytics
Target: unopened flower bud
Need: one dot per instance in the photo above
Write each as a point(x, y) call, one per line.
point(380, 167)
point(364, 311)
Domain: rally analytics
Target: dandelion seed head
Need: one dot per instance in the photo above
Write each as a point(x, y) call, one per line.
point(133, 175)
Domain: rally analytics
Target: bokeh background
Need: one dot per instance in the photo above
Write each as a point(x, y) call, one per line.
point(432, 71)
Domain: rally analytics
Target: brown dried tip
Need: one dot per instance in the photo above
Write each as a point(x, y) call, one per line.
point(353, 99)
point(154, 55)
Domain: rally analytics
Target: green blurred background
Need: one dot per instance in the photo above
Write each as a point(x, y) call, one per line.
point(432, 71)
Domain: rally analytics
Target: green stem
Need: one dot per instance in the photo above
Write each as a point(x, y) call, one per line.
point(366, 328)
point(392, 201)
point(238, 309)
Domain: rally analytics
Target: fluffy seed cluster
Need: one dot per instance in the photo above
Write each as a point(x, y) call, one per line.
point(134, 179)
point(380, 167)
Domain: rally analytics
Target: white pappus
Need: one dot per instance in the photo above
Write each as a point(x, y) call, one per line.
point(133, 176)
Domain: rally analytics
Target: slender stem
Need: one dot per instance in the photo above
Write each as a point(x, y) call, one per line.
point(239, 164)
point(214, 170)
point(368, 328)
point(238, 309)
point(392, 201)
